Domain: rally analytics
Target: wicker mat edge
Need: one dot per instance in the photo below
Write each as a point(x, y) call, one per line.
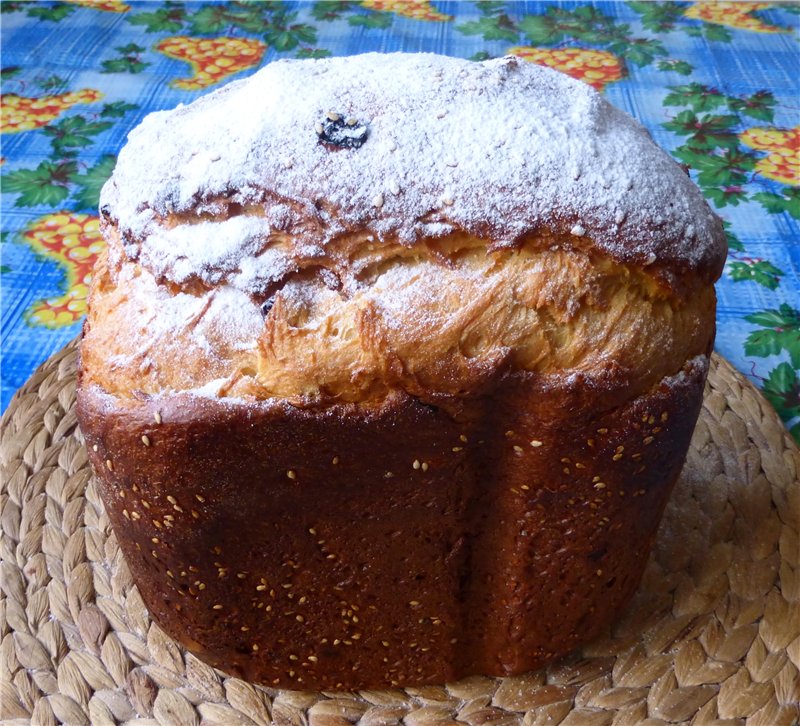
point(713, 636)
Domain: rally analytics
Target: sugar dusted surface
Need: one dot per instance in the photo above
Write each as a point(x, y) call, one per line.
point(500, 149)
point(216, 251)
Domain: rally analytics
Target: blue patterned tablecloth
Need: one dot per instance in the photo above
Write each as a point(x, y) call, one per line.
point(716, 83)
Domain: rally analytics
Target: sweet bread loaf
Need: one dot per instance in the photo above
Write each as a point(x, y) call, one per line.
point(390, 364)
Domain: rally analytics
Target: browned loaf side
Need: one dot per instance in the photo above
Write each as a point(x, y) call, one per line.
point(401, 411)
point(408, 544)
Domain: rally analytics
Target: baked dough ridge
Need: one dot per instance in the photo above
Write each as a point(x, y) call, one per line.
point(448, 317)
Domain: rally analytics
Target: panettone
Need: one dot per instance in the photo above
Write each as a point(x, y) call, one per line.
point(391, 363)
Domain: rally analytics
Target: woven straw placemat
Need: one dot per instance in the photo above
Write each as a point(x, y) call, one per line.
point(713, 635)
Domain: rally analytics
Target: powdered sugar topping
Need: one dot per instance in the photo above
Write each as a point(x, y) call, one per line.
point(500, 149)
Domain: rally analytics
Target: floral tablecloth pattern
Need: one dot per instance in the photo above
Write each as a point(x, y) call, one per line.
point(716, 83)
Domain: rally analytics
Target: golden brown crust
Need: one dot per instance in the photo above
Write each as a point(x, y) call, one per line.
point(350, 326)
point(489, 536)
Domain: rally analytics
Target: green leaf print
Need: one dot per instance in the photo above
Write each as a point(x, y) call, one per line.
point(658, 17)
point(371, 20)
point(123, 65)
point(283, 38)
point(168, 19)
point(312, 53)
point(210, 19)
point(712, 31)
point(724, 165)
point(214, 19)
point(781, 333)
point(130, 48)
point(761, 105)
point(492, 27)
point(541, 29)
point(732, 196)
point(676, 66)
point(760, 271)
point(788, 201)
point(639, 51)
point(697, 96)
point(662, 17)
point(584, 24)
point(727, 168)
point(73, 133)
point(51, 83)
point(734, 243)
point(328, 10)
point(281, 33)
point(91, 182)
point(55, 12)
point(54, 181)
point(782, 390)
point(490, 7)
point(707, 131)
point(47, 184)
point(117, 109)
point(4, 238)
